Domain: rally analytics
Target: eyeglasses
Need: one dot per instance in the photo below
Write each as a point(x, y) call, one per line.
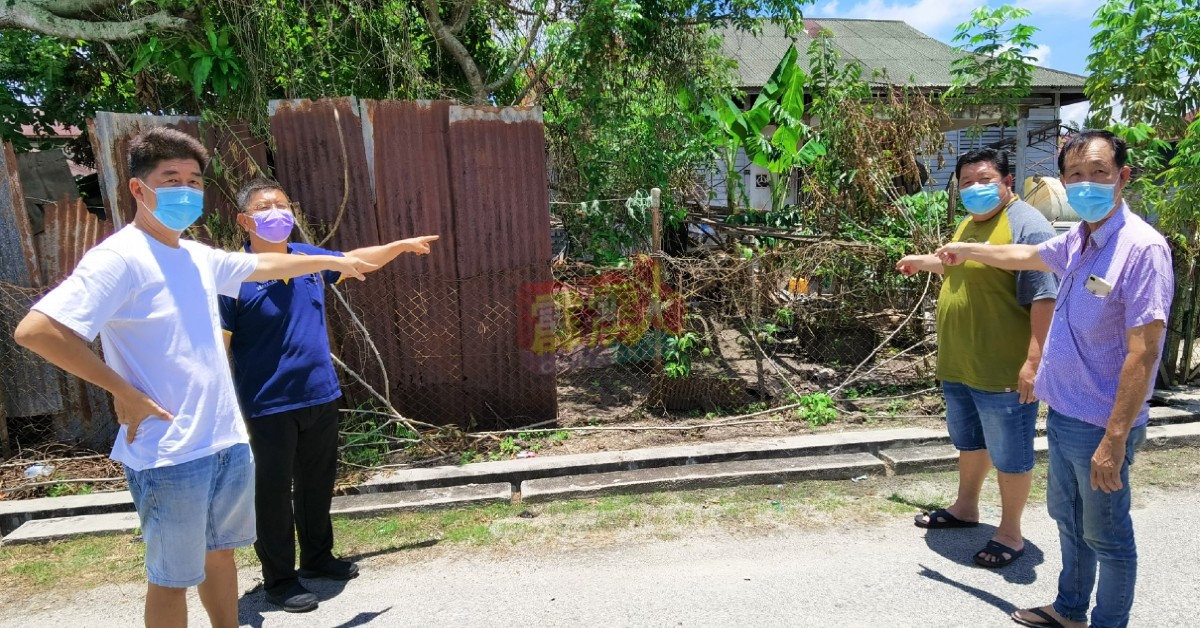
point(290, 207)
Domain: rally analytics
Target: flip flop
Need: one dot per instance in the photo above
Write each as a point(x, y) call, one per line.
point(941, 518)
point(1050, 622)
point(998, 550)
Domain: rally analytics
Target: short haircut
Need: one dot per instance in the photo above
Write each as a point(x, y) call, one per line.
point(252, 187)
point(1081, 140)
point(997, 158)
point(160, 144)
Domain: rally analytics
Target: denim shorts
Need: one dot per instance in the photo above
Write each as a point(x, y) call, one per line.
point(995, 421)
point(192, 508)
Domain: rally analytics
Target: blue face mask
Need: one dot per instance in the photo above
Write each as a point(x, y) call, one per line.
point(1092, 201)
point(178, 207)
point(981, 198)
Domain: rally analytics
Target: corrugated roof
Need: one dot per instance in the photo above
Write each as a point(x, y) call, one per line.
point(908, 56)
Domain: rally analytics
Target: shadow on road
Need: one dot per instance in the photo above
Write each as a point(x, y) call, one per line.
point(1001, 604)
point(362, 619)
point(960, 545)
point(392, 550)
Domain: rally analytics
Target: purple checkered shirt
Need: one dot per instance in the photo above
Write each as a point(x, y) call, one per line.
point(1087, 344)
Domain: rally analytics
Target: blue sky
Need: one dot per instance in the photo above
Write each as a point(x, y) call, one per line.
point(1064, 38)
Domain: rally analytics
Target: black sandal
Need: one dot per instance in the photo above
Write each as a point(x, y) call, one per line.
point(998, 550)
point(941, 518)
point(1050, 622)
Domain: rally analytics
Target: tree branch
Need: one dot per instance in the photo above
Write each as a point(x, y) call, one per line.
point(533, 84)
point(42, 17)
point(76, 8)
point(521, 58)
point(461, 15)
point(446, 39)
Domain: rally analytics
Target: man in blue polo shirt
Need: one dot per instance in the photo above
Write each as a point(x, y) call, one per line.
point(276, 336)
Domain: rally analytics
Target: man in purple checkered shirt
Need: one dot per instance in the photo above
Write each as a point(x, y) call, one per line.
point(1101, 356)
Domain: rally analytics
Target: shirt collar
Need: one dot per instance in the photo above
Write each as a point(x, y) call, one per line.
point(246, 247)
point(1101, 236)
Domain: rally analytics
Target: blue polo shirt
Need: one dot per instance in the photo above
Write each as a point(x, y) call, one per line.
point(279, 342)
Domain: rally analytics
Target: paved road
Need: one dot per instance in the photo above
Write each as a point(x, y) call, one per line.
point(890, 575)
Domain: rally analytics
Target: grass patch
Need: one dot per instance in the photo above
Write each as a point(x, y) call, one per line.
point(62, 567)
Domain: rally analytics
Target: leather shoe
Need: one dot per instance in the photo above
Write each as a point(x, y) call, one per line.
point(293, 597)
point(333, 569)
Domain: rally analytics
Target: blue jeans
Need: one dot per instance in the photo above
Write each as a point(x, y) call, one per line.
point(995, 421)
point(190, 509)
point(1093, 526)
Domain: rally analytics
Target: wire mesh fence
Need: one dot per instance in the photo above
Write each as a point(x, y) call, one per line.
point(715, 334)
point(48, 415)
point(725, 334)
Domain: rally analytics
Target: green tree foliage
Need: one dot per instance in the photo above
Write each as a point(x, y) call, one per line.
point(996, 71)
point(609, 79)
point(235, 57)
point(1144, 84)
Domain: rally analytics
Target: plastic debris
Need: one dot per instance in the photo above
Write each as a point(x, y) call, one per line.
point(38, 470)
point(526, 454)
point(859, 478)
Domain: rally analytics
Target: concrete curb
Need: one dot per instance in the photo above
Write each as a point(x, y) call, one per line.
point(819, 456)
point(771, 471)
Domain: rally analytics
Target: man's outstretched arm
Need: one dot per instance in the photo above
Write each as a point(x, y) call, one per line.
point(284, 266)
point(383, 254)
point(1006, 256)
point(910, 265)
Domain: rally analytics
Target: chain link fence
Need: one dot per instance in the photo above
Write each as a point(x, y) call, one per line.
point(725, 335)
point(714, 334)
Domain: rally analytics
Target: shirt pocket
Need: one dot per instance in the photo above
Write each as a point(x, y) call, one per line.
point(1098, 320)
point(315, 289)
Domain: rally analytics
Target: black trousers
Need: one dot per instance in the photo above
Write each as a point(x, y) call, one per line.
point(295, 459)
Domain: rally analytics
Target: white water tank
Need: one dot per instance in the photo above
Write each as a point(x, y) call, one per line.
point(1049, 197)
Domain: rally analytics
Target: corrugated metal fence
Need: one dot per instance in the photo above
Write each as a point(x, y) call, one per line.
point(440, 331)
point(438, 334)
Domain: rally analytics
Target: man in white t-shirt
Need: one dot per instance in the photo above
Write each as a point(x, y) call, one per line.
point(152, 298)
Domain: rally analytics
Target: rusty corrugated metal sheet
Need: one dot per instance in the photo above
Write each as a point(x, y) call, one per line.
point(502, 226)
point(241, 157)
point(30, 383)
point(18, 256)
point(321, 161)
point(411, 173)
point(70, 231)
point(238, 154)
point(322, 164)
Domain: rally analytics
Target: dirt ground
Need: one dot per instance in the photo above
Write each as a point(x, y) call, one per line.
point(612, 409)
point(608, 409)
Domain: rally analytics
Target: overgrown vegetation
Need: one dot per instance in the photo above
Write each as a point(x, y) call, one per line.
point(1144, 84)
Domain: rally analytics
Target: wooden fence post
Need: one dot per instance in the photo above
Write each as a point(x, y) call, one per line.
point(656, 220)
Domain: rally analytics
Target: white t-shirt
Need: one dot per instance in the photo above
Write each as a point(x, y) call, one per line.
point(155, 309)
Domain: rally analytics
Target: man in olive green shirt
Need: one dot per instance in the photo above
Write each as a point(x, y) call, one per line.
point(991, 327)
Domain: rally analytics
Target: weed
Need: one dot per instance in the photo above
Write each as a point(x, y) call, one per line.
point(468, 456)
point(677, 361)
point(817, 409)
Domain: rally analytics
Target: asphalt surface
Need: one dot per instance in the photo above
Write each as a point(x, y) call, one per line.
point(889, 575)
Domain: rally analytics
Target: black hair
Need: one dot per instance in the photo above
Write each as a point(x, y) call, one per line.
point(160, 144)
point(252, 187)
point(1081, 141)
point(997, 158)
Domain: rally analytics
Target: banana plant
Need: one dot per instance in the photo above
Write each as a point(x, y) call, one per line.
point(779, 105)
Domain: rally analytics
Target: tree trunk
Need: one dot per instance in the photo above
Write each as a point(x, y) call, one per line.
point(65, 18)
